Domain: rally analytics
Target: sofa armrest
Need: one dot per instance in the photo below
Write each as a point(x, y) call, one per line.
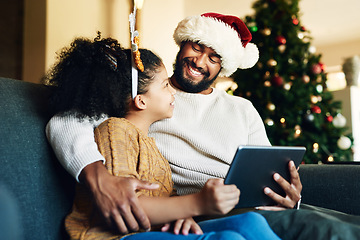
point(332, 186)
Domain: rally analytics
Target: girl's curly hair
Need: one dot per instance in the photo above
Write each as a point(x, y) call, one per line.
point(92, 78)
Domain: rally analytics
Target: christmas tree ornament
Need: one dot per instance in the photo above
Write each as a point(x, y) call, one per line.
point(309, 117)
point(315, 147)
point(252, 26)
point(269, 122)
point(271, 62)
point(297, 132)
point(322, 66)
point(302, 28)
point(306, 39)
point(312, 49)
point(282, 48)
point(281, 40)
point(266, 32)
point(319, 79)
point(282, 120)
point(295, 21)
point(319, 98)
point(290, 60)
point(330, 158)
point(316, 68)
point(339, 121)
point(277, 80)
point(314, 99)
point(270, 106)
point(300, 35)
point(305, 78)
point(344, 143)
point(254, 29)
point(329, 118)
point(287, 86)
point(267, 83)
point(319, 88)
point(316, 109)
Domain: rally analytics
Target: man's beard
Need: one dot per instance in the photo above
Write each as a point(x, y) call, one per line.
point(188, 85)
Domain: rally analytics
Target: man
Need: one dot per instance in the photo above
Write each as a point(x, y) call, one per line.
point(199, 140)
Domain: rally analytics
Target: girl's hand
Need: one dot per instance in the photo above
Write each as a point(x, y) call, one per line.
point(183, 226)
point(217, 198)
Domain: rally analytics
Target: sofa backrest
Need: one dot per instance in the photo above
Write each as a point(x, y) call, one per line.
point(28, 167)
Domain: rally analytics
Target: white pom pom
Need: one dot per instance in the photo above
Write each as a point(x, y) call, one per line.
point(250, 57)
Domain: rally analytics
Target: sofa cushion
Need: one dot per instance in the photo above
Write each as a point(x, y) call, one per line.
point(332, 186)
point(29, 169)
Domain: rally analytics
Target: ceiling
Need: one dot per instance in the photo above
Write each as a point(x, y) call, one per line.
point(329, 21)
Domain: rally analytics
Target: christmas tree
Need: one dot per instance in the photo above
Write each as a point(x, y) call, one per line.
point(288, 85)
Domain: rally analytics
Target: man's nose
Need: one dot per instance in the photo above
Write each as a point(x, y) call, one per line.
point(200, 60)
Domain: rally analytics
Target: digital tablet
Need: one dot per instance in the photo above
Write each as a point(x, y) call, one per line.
point(253, 168)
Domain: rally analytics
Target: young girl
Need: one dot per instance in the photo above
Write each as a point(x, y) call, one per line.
point(93, 79)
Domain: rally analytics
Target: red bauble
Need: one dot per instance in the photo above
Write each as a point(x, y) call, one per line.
point(329, 118)
point(281, 40)
point(277, 81)
point(316, 109)
point(302, 28)
point(322, 66)
point(316, 69)
point(295, 21)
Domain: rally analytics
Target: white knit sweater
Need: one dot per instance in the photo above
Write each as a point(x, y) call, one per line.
point(199, 141)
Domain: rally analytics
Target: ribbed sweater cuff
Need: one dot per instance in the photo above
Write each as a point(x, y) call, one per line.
point(81, 160)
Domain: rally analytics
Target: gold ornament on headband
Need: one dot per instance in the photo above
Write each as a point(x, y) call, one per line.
point(136, 55)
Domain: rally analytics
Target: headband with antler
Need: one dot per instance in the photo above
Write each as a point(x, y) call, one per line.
point(136, 63)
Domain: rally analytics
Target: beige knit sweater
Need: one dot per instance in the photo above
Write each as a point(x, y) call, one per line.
point(128, 153)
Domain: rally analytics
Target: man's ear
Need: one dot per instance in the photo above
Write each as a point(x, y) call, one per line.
point(140, 102)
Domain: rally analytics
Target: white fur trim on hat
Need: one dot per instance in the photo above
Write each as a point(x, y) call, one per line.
point(222, 38)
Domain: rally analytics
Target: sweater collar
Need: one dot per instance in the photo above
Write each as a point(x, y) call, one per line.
point(211, 95)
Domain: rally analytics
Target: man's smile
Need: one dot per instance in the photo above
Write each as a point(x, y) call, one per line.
point(193, 71)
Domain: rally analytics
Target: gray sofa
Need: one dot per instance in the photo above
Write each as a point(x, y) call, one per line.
point(43, 191)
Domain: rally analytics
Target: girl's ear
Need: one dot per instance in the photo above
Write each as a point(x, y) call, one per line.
point(140, 102)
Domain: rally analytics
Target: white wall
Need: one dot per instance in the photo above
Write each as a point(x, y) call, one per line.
point(335, 54)
point(159, 19)
point(67, 19)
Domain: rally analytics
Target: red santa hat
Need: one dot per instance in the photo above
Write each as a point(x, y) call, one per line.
point(227, 35)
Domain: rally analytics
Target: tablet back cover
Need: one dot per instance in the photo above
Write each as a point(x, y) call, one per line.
point(253, 168)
